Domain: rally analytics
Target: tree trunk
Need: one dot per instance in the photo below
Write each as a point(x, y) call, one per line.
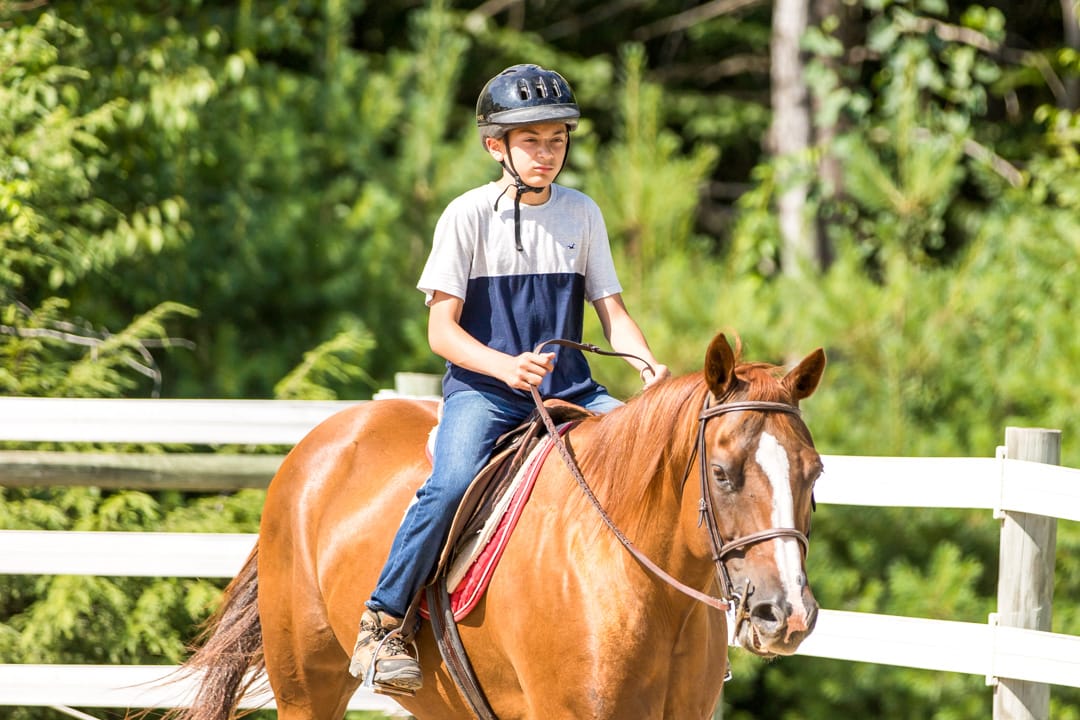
point(1072, 40)
point(838, 15)
point(790, 134)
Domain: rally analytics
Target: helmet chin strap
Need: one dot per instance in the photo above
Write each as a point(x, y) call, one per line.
point(520, 187)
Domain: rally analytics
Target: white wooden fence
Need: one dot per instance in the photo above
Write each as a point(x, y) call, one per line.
point(995, 484)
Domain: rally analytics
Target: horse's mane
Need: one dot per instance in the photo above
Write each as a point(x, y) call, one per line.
point(651, 438)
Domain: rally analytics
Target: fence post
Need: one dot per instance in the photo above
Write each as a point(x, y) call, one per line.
point(1026, 575)
point(413, 384)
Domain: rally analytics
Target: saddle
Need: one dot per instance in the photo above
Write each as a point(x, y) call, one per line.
point(489, 487)
point(487, 499)
point(483, 499)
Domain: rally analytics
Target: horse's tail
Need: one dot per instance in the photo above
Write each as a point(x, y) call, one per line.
point(229, 650)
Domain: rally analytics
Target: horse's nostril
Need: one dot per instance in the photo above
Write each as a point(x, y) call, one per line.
point(767, 616)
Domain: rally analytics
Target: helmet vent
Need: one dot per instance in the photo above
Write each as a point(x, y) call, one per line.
point(524, 91)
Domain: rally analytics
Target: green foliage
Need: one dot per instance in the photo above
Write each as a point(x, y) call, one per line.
point(111, 620)
point(309, 173)
point(48, 355)
point(947, 316)
point(335, 361)
point(936, 361)
point(56, 229)
point(648, 192)
point(645, 184)
point(127, 621)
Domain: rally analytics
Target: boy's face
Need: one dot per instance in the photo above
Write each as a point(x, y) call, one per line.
point(537, 151)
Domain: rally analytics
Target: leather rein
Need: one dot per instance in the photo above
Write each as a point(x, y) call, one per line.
point(721, 548)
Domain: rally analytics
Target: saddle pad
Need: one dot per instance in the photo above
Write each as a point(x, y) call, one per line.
point(471, 572)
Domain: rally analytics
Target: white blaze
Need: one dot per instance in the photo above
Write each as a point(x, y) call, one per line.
point(773, 460)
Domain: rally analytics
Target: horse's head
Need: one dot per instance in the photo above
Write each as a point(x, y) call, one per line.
point(758, 468)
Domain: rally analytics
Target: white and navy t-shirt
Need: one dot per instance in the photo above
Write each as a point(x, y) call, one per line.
point(515, 299)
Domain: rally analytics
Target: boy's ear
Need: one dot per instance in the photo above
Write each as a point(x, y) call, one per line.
point(494, 147)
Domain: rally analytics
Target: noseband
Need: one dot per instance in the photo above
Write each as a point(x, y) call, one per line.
point(722, 548)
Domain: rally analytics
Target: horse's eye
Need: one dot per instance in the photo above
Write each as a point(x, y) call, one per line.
point(720, 477)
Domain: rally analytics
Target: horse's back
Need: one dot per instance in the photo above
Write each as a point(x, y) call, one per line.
point(330, 515)
point(348, 458)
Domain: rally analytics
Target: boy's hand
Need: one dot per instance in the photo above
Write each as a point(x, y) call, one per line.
point(653, 375)
point(528, 369)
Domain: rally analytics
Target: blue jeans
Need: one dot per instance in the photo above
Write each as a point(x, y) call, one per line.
point(471, 423)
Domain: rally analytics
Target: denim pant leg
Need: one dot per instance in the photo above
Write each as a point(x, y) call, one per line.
point(471, 423)
point(599, 401)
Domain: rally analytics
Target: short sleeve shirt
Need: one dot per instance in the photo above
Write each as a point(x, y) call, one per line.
point(515, 299)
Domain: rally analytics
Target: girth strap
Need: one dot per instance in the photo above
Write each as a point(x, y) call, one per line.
point(453, 651)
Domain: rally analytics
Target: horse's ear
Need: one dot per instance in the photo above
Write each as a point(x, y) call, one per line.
point(803, 380)
point(719, 365)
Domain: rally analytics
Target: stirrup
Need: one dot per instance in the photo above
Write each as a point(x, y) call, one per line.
point(369, 674)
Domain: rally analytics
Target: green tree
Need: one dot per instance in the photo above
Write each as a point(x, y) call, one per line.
point(310, 173)
point(56, 229)
point(946, 314)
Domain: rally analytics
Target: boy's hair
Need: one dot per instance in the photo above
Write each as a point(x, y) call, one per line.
point(524, 95)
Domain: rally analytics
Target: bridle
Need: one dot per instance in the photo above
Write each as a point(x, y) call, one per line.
point(721, 548)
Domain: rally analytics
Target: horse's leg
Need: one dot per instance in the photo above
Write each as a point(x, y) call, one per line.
point(697, 666)
point(330, 514)
point(304, 660)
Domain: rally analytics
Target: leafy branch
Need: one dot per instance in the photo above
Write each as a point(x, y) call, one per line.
point(43, 329)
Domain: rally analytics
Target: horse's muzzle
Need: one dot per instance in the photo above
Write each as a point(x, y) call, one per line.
point(771, 626)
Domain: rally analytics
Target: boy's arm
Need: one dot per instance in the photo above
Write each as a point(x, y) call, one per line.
point(449, 340)
point(624, 335)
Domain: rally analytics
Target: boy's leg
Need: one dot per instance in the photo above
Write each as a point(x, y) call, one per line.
point(599, 401)
point(470, 425)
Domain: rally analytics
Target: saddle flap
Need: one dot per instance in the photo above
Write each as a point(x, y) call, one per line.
point(491, 483)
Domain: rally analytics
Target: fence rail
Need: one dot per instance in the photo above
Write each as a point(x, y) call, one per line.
point(130, 686)
point(185, 422)
point(998, 484)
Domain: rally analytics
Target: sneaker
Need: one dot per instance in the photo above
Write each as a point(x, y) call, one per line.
point(395, 667)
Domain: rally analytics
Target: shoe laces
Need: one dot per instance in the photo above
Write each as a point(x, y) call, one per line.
point(393, 646)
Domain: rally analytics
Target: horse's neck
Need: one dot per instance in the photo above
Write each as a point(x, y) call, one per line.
point(651, 502)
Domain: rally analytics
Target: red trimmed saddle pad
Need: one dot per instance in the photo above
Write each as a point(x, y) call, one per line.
point(466, 593)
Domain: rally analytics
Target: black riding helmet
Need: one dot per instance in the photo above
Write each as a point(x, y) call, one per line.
point(524, 95)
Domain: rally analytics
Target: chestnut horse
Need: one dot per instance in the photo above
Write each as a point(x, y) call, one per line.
point(572, 625)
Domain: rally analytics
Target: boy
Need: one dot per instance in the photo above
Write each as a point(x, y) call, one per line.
point(498, 282)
